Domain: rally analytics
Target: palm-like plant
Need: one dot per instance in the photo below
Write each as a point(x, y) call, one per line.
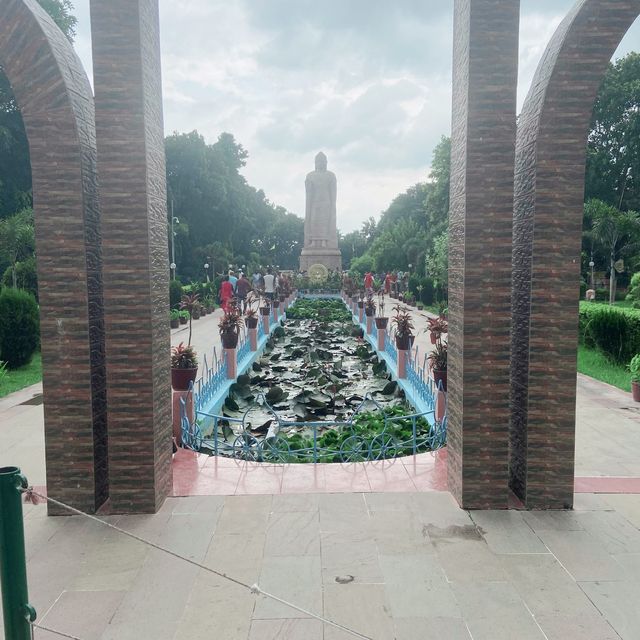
point(17, 239)
point(618, 232)
point(188, 303)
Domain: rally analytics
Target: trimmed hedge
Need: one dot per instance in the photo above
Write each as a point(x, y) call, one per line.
point(19, 327)
point(613, 330)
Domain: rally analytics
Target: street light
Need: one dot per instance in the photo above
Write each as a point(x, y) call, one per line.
point(173, 243)
point(206, 270)
point(592, 264)
point(172, 266)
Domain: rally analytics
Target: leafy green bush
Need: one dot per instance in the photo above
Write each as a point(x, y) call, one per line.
point(634, 291)
point(613, 330)
point(175, 293)
point(19, 327)
point(425, 295)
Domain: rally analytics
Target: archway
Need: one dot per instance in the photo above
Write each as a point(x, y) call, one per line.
point(56, 101)
point(548, 212)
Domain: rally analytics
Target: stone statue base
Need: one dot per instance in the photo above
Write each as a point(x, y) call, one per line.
point(330, 258)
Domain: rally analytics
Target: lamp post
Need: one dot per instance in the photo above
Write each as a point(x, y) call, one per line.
point(206, 270)
point(173, 243)
point(592, 264)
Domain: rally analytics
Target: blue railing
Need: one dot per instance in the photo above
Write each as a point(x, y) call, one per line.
point(222, 435)
point(244, 348)
point(213, 377)
point(390, 348)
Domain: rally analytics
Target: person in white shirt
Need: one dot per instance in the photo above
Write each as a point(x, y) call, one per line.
point(269, 285)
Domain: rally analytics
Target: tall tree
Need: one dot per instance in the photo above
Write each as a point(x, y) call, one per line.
point(618, 232)
point(613, 154)
point(17, 240)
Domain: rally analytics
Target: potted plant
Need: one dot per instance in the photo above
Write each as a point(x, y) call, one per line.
point(174, 318)
point(184, 366)
point(184, 316)
point(403, 325)
point(437, 327)
point(370, 306)
point(250, 312)
point(381, 320)
point(265, 306)
point(189, 303)
point(195, 312)
point(634, 367)
point(419, 289)
point(230, 326)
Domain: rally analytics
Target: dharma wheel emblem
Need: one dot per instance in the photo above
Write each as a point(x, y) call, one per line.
point(318, 272)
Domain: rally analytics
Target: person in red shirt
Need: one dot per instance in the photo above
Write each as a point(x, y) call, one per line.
point(368, 281)
point(387, 283)
point(226, 294)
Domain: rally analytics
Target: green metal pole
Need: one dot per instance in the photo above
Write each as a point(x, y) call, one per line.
point(13, 567)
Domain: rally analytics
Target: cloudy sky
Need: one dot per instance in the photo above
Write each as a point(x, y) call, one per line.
point(366, 81)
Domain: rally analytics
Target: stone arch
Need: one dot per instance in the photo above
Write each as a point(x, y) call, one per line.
point(56, 101)
point(548, 208)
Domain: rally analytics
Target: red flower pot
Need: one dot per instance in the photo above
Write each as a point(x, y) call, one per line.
point(265, 311)
point(404, 342)
point(175, 323)
point(229, 340)
point(440, 376)
point(181, 378)
point(251, 323)
point(381, 323)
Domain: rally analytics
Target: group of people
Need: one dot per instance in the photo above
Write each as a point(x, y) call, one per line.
point(391, 282)
point(238, 287)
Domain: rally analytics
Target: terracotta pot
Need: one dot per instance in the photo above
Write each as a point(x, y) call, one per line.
point(184, 320)
point(283, 298)
point(420, 307)
point(251, 323)
point(635, 391)
point(174, 322)
point(265, 311)
point(196, 314)
point(360, 304)
point(404, 342)
point(181, 378)
point(229, 340)
point(381, 323)
point(440, 376)
point(370, 312)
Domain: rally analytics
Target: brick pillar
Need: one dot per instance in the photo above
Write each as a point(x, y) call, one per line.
point(131, 168)
point(485, 70)
point(56, 102)
point(547, 233)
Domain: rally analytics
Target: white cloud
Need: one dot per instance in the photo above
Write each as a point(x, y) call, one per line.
point(369, 82)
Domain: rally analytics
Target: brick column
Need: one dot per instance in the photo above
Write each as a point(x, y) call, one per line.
point(547, 233)
point(56, 101)
point(483, 141)
point(131, 167)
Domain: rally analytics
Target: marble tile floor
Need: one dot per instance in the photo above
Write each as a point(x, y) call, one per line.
point(403, 566)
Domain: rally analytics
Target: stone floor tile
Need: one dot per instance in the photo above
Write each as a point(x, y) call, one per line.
point(295, 502)
point(416, 587)
point(293, 533)
point(362, 607)
point(545, 586)
point(395, 502)
point(618, 603)
point(296, 579)
point(553, 520)
point(437, 628)
point(439, 510)
point(563, 627)
point(349, 556)
point(468, 560)
point(244, 514)
point(85, 614)
point(507, 532)
point(615, 533)
point(237, 554)
point(397, 533)
point(582, 555)
point(627, 506)
point(495, 611)
point(193, 505)
point(292, 629)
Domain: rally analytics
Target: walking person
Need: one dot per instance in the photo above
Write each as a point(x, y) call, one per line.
point(269, 285)
point(243, 286)
point(226, 293)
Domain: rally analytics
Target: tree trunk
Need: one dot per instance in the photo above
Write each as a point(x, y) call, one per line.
point(612, 282)
point(14, 276)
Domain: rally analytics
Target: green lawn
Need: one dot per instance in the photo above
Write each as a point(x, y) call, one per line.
point(22, 377)
point(592, 363)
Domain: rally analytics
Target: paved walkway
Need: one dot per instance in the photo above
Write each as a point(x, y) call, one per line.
point(396, 564)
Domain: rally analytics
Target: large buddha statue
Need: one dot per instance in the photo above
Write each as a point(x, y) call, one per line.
point(320, 232)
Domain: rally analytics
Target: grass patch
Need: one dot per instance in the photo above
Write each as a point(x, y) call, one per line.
point(596, 365)
point(17, 379)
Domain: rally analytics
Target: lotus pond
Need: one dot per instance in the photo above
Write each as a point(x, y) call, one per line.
point(318, 393)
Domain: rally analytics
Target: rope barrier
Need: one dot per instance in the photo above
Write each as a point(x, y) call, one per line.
point(49, 630)
point(34, 497)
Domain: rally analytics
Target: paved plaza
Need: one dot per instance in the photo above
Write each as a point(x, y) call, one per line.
point(350, 543)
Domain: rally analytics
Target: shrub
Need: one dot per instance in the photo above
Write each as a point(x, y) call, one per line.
point(175, 293)
point(19, 327)
point(426, 294)
point(612, 330)
point(634, 291)
point(583, 289)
